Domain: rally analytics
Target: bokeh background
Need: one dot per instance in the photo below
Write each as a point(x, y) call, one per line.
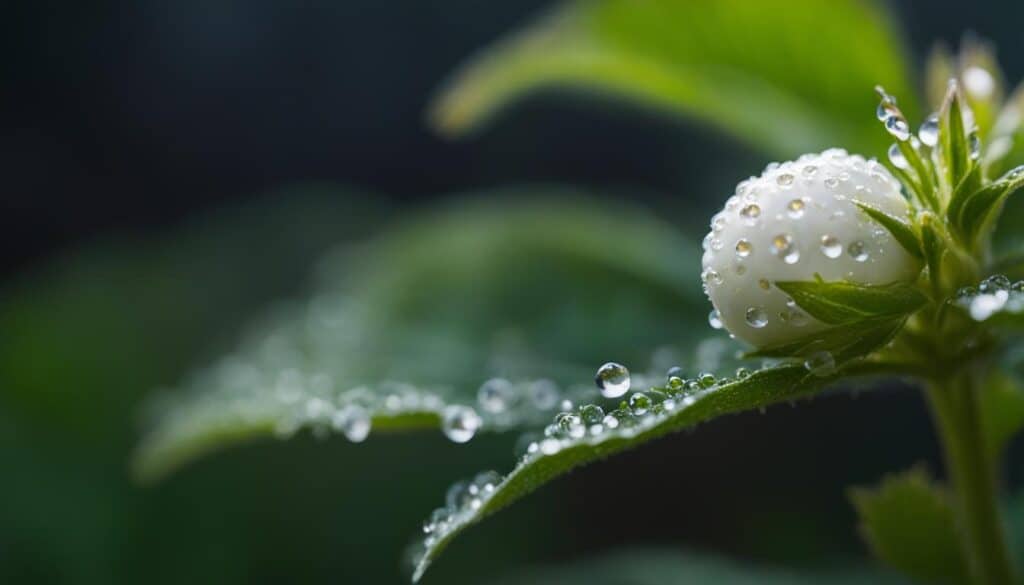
point(170, 169)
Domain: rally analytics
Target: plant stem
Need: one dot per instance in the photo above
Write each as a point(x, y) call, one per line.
point(955, 410)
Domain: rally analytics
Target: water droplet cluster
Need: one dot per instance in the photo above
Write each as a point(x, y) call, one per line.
point(796, 221)
point(996, 294)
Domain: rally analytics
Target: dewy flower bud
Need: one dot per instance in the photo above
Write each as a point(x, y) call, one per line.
point(797, 221)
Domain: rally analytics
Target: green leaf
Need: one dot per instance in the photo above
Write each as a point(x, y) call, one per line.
point(899, 229)
point(750, 68)
point(979, 211)
point(909, 523)
point(934, 248)
point(554, 457)
point(955, 149)
point(844, 302)
point(843, 343)
point(672, 567)
point(418, 318)
point(1002, 410)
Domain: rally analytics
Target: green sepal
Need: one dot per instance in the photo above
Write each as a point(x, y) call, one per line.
point(899, 229)
point(841, 302)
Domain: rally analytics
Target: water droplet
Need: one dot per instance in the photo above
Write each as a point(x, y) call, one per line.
point(784, 180)
point(592, 414)
point(639, 403)
point(485, 482)
point(858, 251)
point(459, 423)
point(706, 380)
point(974, 145)
point(610, 421)
point(830, 246)
point(756, 317)
point(495, 395)
point(795, 208)
point(352, 421)
point(783, 247)
point(744, 247)
point(820, 363)
point(612, 379)
point(764, 284)
point(438, 521)
point(897, 126)
point(716, 244)
point(715, 320)
point(458, 496)
point(896, 157)
point(831, 182)
point(544, 394)
point(929, 131)
point(711, 276)
point(550, 446)
point(675, 383)
point(750, 213)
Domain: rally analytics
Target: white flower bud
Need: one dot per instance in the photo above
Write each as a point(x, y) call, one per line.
point(794, 222)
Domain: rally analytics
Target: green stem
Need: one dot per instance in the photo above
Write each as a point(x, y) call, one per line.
point(955, 409)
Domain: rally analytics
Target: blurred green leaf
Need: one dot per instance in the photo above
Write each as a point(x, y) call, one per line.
point(1002, 410)
point(909, 523)
point(671, 567)
point(555, 457)
point(789, 80)
point(412, 322)
point(847, 302)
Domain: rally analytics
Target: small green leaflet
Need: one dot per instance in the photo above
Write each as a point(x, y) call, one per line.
point(837, 303)
point(899, 229)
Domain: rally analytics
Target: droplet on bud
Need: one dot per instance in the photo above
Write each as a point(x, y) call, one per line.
point(750, 213)
point(756, 317)
point(353, 421)
point(795, 208)
point(612, 380)
point(830, 246)
point(858, 251)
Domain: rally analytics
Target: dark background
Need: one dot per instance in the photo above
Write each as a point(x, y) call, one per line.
point(131, 120)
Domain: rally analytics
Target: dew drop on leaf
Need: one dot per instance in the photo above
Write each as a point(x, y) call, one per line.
point(744, 248)
point(795, 208)
point(352, 421)
point(858, 251)
point(612, 380)
point(459, 423)
point(898, 127)
point(639, 403)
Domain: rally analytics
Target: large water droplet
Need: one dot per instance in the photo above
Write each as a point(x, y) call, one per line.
point(929, 131)
point(459, 423)
point(858, 251)
point(795, 208)
point(897, 126)
point(750, 213)
point(783, 247)
point(744, 247)
point(831, 247)
point(756, 317)
point(639, 403)
point(495, 395)
point(820, 363)
point(591, 414)
point(612, 379)
point(896, 157)
point(352, 421)
point(714, 319)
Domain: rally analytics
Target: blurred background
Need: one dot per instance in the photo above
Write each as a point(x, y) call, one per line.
point(171, 169)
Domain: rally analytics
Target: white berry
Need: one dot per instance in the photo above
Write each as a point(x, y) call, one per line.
point(794, 222)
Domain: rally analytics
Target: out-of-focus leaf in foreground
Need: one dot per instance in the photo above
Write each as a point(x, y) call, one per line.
point(629, 427)
point(789, 80)
point(402, 331)
point(667, 567)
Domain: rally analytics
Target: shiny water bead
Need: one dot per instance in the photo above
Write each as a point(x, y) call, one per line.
point(974, 145)
point(674, 371)
point(831, 247)
point(353, 421)
point(438, 521)
point(675, 383)
point(858, 251)
point(742, 373)
point(458, 496)
point(896, 157)
point(978, 82)
point(821, 363)
point(785, 241)
point(784, 179)
point(592, 414)
point(612, 380)
point(610, 421)
point(495, 395)
point(706, 380)
point(543, 394)
point(898, 128)
point(459, 423)
point(713, 320)
point(485, 482)
point(929, 131)
point(756, 317)
point(639, 403)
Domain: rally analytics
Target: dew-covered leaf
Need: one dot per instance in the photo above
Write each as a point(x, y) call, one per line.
point(908, 522)
point(845, 302)
point(996, 301)
point(899, 229)
point(578, 441)
point(402, 331)
point(673, 567)
point(748, 67)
